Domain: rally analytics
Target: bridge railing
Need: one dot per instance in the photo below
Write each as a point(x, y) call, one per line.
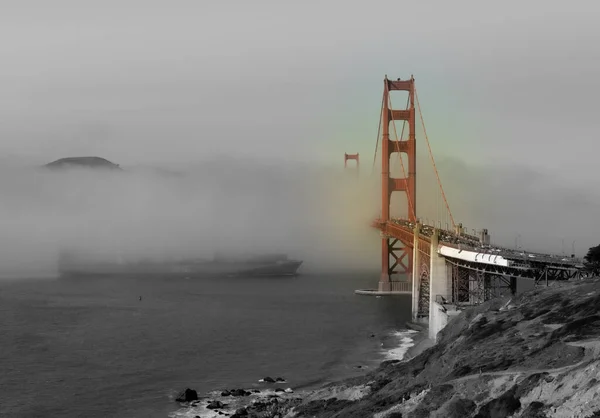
point(401, 286)
point(467, 242)
point(445, 235)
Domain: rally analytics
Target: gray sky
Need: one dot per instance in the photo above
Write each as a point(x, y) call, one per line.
point(509, 84)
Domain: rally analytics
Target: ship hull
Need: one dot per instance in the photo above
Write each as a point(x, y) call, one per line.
point(182, 269)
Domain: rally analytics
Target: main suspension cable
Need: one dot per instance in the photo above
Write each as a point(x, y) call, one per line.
point(433, 161)
point(378, 134)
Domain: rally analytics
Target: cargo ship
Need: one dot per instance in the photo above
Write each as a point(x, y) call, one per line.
point(77, 266)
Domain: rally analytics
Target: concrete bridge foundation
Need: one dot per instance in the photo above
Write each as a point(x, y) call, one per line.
point(416, 276)
point(440, 288)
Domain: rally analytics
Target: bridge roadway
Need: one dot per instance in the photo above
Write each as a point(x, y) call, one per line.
point(468, 251)
point(451, 270)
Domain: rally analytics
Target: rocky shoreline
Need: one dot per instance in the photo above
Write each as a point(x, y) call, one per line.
point(532, 356)
point(277, 399)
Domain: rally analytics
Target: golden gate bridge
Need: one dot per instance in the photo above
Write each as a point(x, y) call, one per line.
point(438, 262)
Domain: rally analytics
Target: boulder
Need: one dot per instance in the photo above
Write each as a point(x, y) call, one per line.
point(215, 405)
point(187, 395)
point(239, 392)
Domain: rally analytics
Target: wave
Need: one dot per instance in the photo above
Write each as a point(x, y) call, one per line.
point(403, 342)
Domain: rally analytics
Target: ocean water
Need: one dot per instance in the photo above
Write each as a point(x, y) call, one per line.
point(92, 348)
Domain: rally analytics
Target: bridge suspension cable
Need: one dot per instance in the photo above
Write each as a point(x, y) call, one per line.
point(378, 134)
point(433, 160)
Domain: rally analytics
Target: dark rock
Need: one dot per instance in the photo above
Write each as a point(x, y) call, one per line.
point(280, 379)
point(501, 407)
point(581, 328)
point(241, 412)
point(187, 395)
point(460, 408)
point(395, 415)
point(255, 391)
point(268, 380)
point(379, 383)
point(530, 382)
point(279, 390)
point(460, 371)
point(215, 405)
point(534, 410)
point(225, 393)
point(260, 406)
point(389, 362)
point(239, 392)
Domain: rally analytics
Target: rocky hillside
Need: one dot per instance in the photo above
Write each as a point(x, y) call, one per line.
point(536, 355)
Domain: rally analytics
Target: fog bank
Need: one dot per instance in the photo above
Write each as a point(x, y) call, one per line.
point(318, 214)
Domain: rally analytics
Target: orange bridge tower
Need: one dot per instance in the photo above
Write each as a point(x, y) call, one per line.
point(396, 256)
point(352, 157)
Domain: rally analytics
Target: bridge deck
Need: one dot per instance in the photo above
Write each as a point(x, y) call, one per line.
point(402, 230)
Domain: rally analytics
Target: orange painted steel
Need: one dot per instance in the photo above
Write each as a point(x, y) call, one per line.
point(401, 256)
point(351, 157)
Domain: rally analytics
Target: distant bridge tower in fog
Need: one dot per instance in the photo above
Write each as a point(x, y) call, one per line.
point(352, 157)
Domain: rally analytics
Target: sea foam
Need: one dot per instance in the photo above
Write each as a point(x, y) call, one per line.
point(404, 342)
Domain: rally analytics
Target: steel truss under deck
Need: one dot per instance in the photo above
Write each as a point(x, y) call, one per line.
point(474, 283)
point(423, 272)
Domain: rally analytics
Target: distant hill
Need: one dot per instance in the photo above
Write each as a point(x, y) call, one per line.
point(83, 162)
point(104, 164)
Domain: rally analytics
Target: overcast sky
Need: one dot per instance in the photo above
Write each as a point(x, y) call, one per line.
point(507, 83)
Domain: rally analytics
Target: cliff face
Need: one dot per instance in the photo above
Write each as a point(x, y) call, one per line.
point(536, 355)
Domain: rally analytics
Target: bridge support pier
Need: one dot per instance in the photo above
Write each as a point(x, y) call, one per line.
point(440, 288)
point(396, 261)
point(416, 276)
